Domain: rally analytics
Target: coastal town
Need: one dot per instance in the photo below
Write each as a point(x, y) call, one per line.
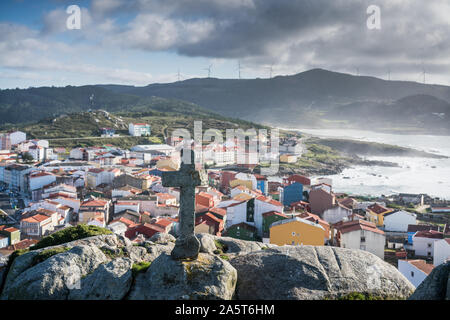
point(44, 190)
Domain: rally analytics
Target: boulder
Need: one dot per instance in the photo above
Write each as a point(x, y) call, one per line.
point(110, 281)
point(312, 273)
point(207, 244)
point(162, 238)
point(240, 247)
point(138, 254)
point(55, 277)
point(154, 250)
point(207, 278)
point(436, 286)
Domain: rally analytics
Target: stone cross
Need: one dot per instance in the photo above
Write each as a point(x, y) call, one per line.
point(187, 178)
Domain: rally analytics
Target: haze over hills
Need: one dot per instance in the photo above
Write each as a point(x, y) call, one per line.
point(315, 98)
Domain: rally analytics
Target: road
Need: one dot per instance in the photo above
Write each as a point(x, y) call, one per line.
point(78, 138)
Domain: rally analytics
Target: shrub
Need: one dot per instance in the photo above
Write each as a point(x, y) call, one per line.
point(45, 254)
point(70, 234)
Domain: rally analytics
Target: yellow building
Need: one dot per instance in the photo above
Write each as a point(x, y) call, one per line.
point(296, 231)
point(167, 164)
point(245, 183)
point(375, 213)
point(288, 158)
point(242, 197)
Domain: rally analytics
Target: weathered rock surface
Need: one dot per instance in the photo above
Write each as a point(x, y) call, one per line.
point(207, 244)
point(208, 277)
point(56, 276)
point(110, 281)
point(310, 273)
point(436, 286)
point(163, 238)
point(154, 250)
point(103, 265)
point(236, 246)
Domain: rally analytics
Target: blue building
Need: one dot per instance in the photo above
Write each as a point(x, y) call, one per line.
point(261, 183)
point(291, 193)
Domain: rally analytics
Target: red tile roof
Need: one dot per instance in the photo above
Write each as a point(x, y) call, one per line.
point(274, 213)
point(94, 203)
point(26, 243)
point(431, 234)
point(36, 218)
point(350, 226)
point(376, 208)
point(422, 265)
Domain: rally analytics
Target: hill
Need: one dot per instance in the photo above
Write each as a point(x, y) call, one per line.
point(417, 112)
point(315, 98)
point(310, 98)
point(83, 129)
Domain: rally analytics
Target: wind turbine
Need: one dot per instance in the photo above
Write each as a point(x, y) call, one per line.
point(271, 69)
point(424, 72)
point(209, 70)
point(239, 69)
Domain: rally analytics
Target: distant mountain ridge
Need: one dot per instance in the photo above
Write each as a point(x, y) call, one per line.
point(315, 98)
point(306, 98)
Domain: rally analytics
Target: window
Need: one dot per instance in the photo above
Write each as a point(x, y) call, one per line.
point(429, 245)
point(362, 247)
point(293, 243)
point(363, 239)
point(293, 234)
point(412, 274)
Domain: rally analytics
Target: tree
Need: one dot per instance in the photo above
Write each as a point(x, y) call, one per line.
point(27, 157)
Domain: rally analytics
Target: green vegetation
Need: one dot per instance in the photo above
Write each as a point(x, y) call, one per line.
point(224, 257)
point(112, 254)
point(362, 296)
point(140, 267)
point(221, 246)
point(70, 234)
point(45, 254)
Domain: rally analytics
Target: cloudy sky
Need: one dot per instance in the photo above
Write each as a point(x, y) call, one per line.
point(147, 41)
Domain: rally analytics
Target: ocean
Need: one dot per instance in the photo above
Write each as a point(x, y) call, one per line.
point(415, 175)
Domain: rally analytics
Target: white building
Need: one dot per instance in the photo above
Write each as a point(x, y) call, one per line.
point(17, 137)
point(441, 251)
point(336, 214)
point(99, 176)
point(362, 235)
point(41, 179)
point(414, 270)
point(155, 149)
point(41, 153)
point(118, 228)
point(423, 242)
point(139, 129)
point(126, 205)
point(398, 221)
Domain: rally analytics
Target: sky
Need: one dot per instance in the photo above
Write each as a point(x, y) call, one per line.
point(150, 41)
